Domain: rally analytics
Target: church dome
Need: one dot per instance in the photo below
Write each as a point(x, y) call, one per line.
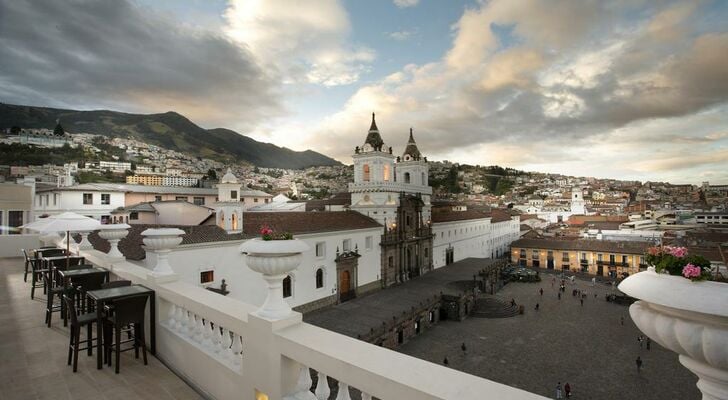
point(229, 177)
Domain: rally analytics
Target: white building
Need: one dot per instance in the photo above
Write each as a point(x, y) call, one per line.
point(92, 200)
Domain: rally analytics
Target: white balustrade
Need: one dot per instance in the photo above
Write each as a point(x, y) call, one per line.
point(161, 241)
point(237, 349)
point(343, 392)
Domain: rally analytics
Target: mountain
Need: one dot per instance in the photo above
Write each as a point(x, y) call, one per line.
point(169, 130)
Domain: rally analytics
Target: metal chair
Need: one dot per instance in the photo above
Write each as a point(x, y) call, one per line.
point(77, 322)
point(127, 311)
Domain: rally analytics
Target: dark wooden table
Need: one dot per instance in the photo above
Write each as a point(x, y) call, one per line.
point(104, 295)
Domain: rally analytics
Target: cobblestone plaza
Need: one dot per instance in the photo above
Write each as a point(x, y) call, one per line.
point(563, 341)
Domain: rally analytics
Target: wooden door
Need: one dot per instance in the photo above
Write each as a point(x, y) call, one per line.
point(345, 284)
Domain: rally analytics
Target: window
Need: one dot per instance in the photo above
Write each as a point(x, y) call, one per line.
point(55, 199)
point(406, 177)
point(346, 245)
point(88, 198)
point(522, 253)
point(200, 201)
point(386, 172)
point(105, 219)
point(105, 198)
point(424, 182)
point(207, 276)
point(15, 219)
point(287, 289)
point(320, 249)
point(390, 262)
point(624, 260)
point(183, 198)
point(583, 256)
point(600, 257)
point(133, 215)
point(368, 242)
point(157, 198)
point(255, 200)
point(233, 194)
point(366, 172)
point(611, 259)
point(534, 254)
point(565, 256)
point(319, 278)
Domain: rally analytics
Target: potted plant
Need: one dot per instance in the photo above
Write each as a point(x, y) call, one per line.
point(681, 310)
point(274, 255)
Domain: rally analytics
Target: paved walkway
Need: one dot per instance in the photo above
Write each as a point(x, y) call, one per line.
point(33, 356)
point(563, 342)
point(358, 316)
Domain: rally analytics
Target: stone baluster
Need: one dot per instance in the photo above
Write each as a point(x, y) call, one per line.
point(303, 386)
point(191, 324)
point(216, 337)
point(323, 391)
point(224, 342)
point(161, 241)
point(207, 336)
point(230, 338)
point(237, 349)
point(343, 392)
point(113, 234)
point(366, 396)
point(181, 317)
point(171, 314)
point(199, 329)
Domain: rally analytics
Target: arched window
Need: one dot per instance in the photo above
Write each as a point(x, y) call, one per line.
point(424, 182)
point(287, 289)
point(235, 221)
point(221, 224)
point(319, 278)
point(406, 177)
point(366, 172)
point(386, 172)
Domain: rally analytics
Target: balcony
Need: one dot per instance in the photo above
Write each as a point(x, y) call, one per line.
point(396, 236)
point(226, 351)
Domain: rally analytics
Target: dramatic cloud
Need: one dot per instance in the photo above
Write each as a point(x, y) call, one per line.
point(114, 54)
point(406, 3)
point(304, 43)
point(536, 84)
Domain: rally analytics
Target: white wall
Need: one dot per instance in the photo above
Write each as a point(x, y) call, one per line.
point(245, 285)
point(10, 245)
point(473, 238)
point(72, 200)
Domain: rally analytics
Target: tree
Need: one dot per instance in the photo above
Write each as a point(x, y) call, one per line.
point(58, 131)
point(211, 174)
point(15, 130)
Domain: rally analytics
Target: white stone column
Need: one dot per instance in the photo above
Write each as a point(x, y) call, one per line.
point(161, 241)
point(85, 244)
point(274, 259)
point(689, 318)
point(114, 233)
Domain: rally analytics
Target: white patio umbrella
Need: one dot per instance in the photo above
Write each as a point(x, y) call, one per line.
point(66, 222)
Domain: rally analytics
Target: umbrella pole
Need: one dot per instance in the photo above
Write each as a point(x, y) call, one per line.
point(68, 249)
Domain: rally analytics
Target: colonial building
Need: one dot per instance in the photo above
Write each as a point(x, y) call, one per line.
point(596, 257)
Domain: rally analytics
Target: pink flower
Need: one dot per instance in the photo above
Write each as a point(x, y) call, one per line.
point(691, 271)
point(678, 252)
point(266, 230)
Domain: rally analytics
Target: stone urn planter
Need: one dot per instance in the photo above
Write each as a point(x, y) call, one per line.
point(274, 259)
point(161, 241)
point(114, 233)
point(689, 318)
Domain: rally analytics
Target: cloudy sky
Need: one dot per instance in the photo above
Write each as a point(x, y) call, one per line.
point(623, 89)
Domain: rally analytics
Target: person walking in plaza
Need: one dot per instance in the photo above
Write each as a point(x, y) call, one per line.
point(621, 320)
point(638, 361)
point(582, 302)
point(540, 291)
point(559, 294)
point(558, 390)
point(445, 361)
point(536, 307)
point(463, 347)
point(648, 341)
point(567, 390)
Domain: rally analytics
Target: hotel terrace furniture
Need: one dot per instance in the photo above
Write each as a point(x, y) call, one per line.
point(54, 288)
point(29, 259)
point(83, 280)
point(77, 322)
point(112, 295)
point(127, 311)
